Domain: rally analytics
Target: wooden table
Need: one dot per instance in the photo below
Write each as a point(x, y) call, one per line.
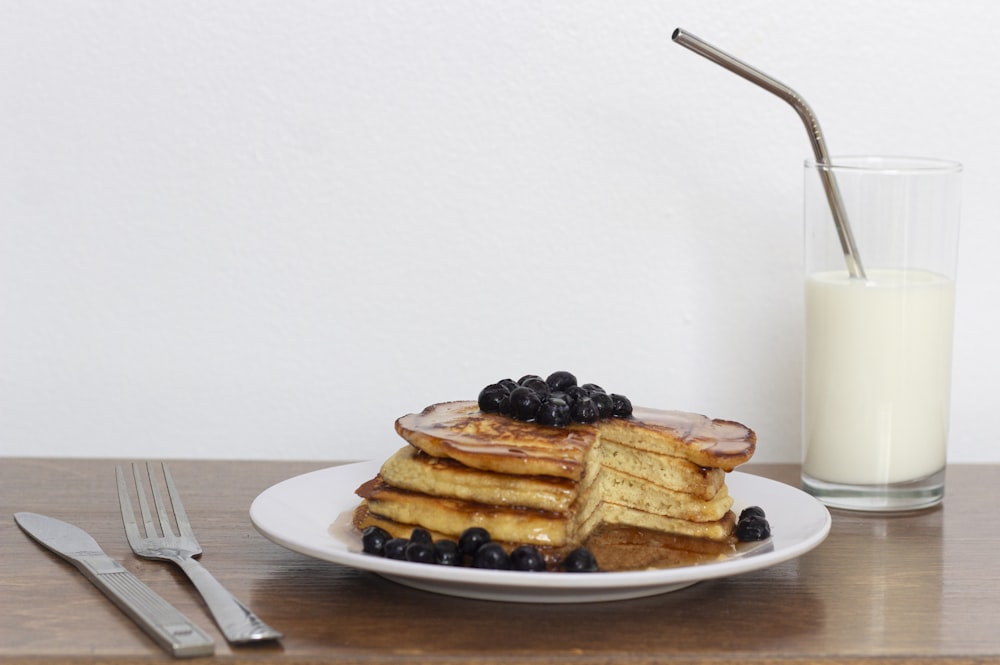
point(908, 588)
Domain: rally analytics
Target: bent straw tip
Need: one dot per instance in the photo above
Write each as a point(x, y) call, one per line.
point(676, 33)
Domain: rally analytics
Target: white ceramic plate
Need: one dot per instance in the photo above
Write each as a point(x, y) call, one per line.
point(309, 514)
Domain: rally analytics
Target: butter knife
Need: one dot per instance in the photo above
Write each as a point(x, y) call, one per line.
point(161, 620)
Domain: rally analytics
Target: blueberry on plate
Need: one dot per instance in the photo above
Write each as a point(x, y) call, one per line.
point(527, 558)
point(395, 548)
point(491, 556)
point(752, 528)
point(419, 552)
point(580, 560)
point(472, 539)
point(446, 553)
point(373, 540)
point(421, 535)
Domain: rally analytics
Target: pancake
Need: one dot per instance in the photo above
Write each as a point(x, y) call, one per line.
point(493, 442)
point(532, 527)
point(411, 469)
point(654, 472)
point(363, 518)
point(616, 547)
point(452, 516)
point(441, 495)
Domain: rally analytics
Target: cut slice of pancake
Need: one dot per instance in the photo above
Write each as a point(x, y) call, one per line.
point(722, 444)
point(608, 513)
point(633, 492)
point(665, 471)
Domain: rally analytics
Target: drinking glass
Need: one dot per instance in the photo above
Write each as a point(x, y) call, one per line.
point(878, 349)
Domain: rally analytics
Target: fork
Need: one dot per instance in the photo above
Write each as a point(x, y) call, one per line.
point(237, 622)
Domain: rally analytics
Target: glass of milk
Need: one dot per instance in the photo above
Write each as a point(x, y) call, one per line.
point(877, 366)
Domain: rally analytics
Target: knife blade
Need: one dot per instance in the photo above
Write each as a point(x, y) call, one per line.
point(161, 620)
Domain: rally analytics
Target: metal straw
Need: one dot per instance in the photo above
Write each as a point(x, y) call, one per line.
point(753, 75)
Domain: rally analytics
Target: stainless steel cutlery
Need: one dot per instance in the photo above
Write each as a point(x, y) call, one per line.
point(161, 620)
point(236, 621)
point(153, 539)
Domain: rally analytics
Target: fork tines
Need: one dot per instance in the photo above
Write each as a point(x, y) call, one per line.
point(166, 528)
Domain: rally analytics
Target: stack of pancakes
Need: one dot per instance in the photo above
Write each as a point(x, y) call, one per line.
point(659, 472)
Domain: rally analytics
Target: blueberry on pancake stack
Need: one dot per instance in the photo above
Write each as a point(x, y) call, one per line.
point(558, 468)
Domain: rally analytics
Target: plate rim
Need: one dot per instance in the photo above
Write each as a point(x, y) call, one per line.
point(337, 550)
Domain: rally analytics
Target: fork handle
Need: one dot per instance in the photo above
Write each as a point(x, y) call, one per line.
point(236, 621)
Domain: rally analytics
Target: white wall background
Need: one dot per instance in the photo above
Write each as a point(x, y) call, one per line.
point(267, 229)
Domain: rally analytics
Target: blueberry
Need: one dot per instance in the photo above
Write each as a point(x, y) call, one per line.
point(580, 560)
point(524, 403)
point(593, 388)
point(536, 385)
point(373, 540)
point(396, 548)
point(491, 397)
point(528, 558)
point(605, 405)
point(554, 412)
point(584, 410)
point(574, 393)
point(509, 384)
point(420, 535)
point(472, 539)
point(752, 511)
point(753, 528)
point(561, 380)
point(419, 552)
point(491, 556)
point(505, 406)
point(446, 553)
point(623, 407)
point(528, 377)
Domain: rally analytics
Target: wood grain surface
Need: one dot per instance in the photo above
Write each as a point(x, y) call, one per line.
point(921, 587)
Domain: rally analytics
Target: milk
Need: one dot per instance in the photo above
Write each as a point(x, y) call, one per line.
point(877, 376)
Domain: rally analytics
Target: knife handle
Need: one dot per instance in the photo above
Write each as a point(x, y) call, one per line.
point(161, 620)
